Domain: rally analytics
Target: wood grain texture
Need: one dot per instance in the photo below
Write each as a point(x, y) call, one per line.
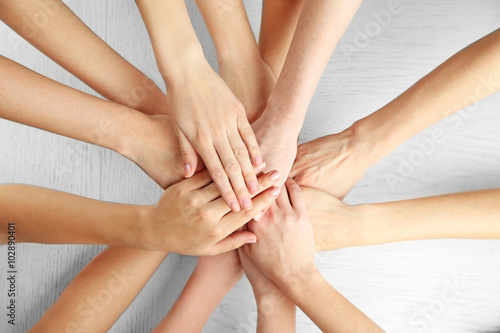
point(399, 285)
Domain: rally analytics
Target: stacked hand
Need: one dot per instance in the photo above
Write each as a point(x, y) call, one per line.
point(210, 121)
point(333, 163)
point(192, 218)
point(285, 247)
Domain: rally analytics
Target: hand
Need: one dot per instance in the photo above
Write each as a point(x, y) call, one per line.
point(209, 120)
point(153, 146)
point(191, 218)
point(278, 145)
point(335, 224)
point(333, 164)
point(251, 81)
point(285, 248)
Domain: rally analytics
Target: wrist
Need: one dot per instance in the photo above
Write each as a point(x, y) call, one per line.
point(274, 303)
point(130, 227)
point(372, 219)
point(284, 115)
point(127, 144)
point(183, 62)
point(297, 289)
point(237, 57)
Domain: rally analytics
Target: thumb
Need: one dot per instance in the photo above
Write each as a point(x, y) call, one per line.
point(234, 241)
point(188, 154)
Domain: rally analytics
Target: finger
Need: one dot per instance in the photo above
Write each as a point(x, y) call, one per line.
point(282, 201)
point(219, 176)
point(234, 172)
point(233, 221)
point(296, 195)
point(188, 154)
point(247, 169)
point(211, 192)
point(264, 182)
point(233, 242)
point(248, 136)
point(198, 181)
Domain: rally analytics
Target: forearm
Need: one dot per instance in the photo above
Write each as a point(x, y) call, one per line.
point(47, 216)
point(102, 291)
point(320, 27)
point(327, 308)
point(174, 40)
point(462, 215)
point(90, 59)
point(34, 100)
point(230, 30)
point(199, 298)
point(276, 313)
point(462, 80)
point(279, 21)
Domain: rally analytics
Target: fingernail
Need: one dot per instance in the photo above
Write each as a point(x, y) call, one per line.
point(275, 191)
point(257, 161)
point(234, 206)
point(187, 169)
point(261, 167)
point(251, 241)
point(247, 204)
point(253, 187)
point(259, 216)
point(275, 175)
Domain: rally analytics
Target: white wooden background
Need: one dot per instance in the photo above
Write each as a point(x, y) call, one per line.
point(398, 285)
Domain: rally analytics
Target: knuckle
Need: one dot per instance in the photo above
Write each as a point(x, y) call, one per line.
point(186, 154)
point(232, 167)
point(203, 137)
point(242, 192)
point(246, 132)
point(240, 151)
point(218, 174)
point(192, 200)
point(237, 107)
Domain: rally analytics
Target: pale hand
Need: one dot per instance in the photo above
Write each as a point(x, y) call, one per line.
point(278, 146)
point(333, 164)
point(191, 218)
point(285, 248)
point(210, 121)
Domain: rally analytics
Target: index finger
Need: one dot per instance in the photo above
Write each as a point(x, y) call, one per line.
point(233, 221)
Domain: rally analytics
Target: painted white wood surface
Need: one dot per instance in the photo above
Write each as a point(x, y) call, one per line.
point(398, 285)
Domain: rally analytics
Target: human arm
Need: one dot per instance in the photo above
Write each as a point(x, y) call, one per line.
point(465, 78)
point(90, 58)
point(189, 218)
point(276, 312)
point(319, 28)
point(101, 292)
point(241, 66)
point(278, 24)
point(471, 215)
point(208, 119)
point(285, 253)
point(34, 100)
point(209, 283)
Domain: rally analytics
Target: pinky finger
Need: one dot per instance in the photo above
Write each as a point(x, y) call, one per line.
point(250, 140)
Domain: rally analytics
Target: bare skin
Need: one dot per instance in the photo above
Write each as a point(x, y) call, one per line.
point(208, 118)
point(90, 59)
point(346, 156)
